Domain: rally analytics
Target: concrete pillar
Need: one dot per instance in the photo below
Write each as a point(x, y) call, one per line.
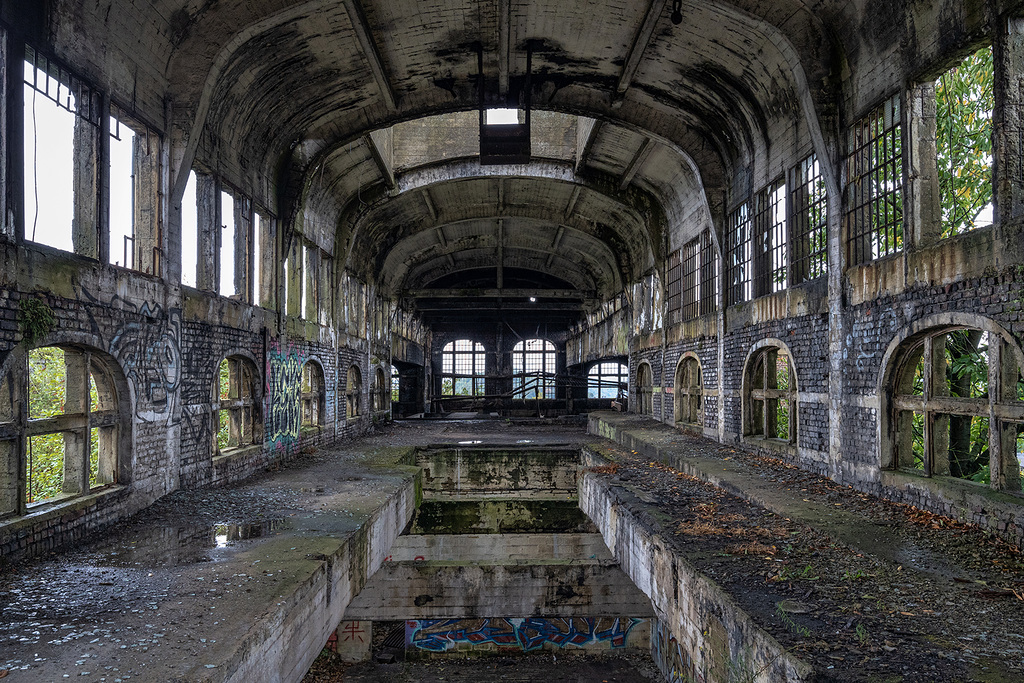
point(353, 643)
point(7, 126)
point(1008, 127)
point(208, 237)
point(85, 223)
point(922, 217)
point(10, 456)
point(76, 442)
point(311, 277)
point(146, 169)
point(293, 275)
point(266, 233)
point(243, 247)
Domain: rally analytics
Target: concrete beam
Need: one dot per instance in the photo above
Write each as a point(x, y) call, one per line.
point(396, 592)
point(511, 292)
point(585, 145)
point(639, 46)
point(380, 158)
point(455, 305)
point(371, 52)
point(571, 206)
point(431, 207)
point(638, 160)
point(504, 44)
point(501, 247)
point(555, 242)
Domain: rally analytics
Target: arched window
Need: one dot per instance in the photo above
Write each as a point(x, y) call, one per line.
point(644, 389)
point(770, 396)
point(533, 369)
point(312, 395)
point(957, 407)
point(607, 379)
point(238, 418)
point(463, 366)
point(689, 394)
point(380, 391)
point(67, 443)
point(354, 392)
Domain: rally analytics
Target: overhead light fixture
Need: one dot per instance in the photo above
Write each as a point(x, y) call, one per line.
point(677, 12)
point(533, 299)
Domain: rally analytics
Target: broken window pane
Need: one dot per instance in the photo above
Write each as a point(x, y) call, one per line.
point(45, 467)
point(874, 198)
point(964, 101)
point(49, 142)
point(967, 448)
point(966, 358)
point(47, 388)
point(189, 232)
point(122, 194)
point(227, 244)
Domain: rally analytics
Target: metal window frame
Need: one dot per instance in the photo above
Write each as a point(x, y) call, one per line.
point(874, 190)
point(738, 245)
point(809, 221)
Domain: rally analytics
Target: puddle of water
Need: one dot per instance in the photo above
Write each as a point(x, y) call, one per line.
point(226, 534)
point(180, 545)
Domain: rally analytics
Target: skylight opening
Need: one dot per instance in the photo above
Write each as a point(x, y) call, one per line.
point(501, 116)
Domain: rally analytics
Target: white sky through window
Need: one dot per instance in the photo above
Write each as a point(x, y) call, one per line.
point(501, 116)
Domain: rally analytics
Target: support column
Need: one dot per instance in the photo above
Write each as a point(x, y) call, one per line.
point(146, 170)
point(293, 275)
point(85, 224)
point(266, 233)
point(922, 220)
point(1008, 134)
point(76, 442)
point(243, 247)
point(208, 237)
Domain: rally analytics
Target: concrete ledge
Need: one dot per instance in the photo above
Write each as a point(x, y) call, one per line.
point(715, 636)
point(284, 641)
point(435, 590)
point(56, 524)
point(999, 511)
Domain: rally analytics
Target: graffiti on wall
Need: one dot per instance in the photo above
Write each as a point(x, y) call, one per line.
point(150, 356)
point(675, 663)
point(283, 391)
point(439, 635)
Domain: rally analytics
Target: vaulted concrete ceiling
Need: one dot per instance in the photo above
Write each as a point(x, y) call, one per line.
point(292, 90)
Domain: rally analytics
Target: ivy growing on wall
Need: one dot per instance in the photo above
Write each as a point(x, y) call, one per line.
point(35, 319)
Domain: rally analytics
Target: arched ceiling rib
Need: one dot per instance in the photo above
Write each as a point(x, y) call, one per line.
point(549, 213)
point(293, 72)
point(528, 244)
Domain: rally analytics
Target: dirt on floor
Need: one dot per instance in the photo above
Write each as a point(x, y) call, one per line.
point(954, 611)
point(525, 668)
point(950, 608)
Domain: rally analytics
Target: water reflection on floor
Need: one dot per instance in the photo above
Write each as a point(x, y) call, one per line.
point(172, 546)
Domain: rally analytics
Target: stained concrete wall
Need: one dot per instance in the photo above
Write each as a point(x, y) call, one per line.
point(700, 631)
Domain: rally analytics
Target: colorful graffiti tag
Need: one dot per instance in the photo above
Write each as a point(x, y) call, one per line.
point(151, 359)
point(284, 384)
point(439, 635)
point(675, 663)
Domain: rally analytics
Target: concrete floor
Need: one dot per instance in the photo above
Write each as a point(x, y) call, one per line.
point(519, 669)
point(179, 590)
